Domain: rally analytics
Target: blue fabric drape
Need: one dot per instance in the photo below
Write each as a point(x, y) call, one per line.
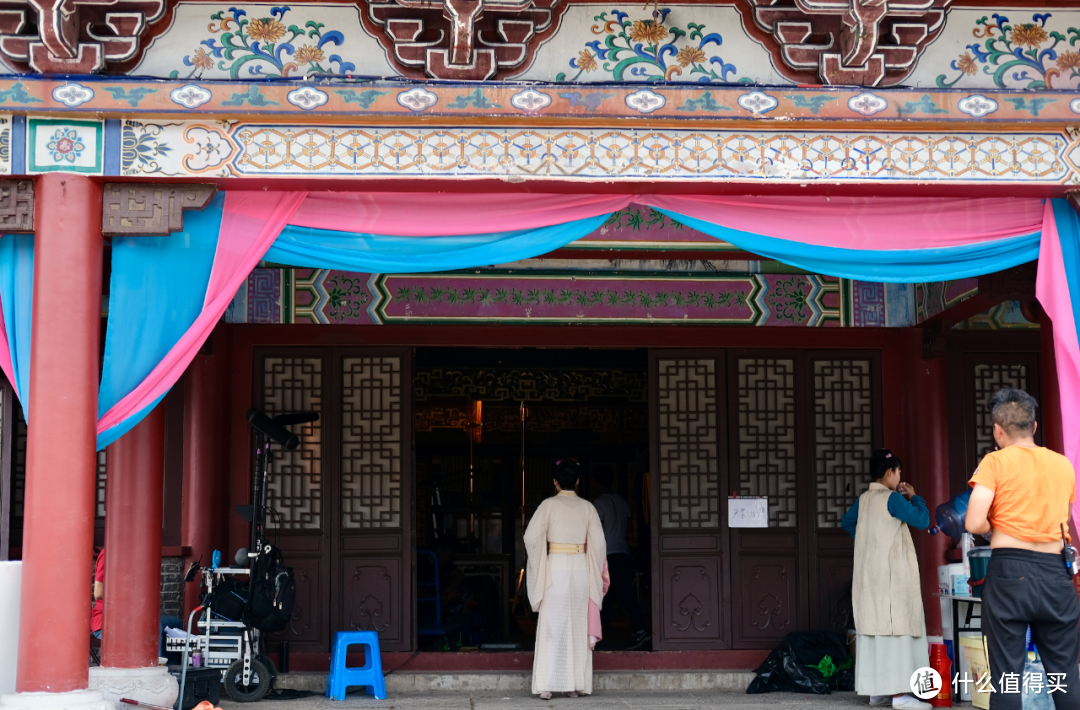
point(156, 292)
point(159, 283)
point(379, 254)
point(885, 266)
point(16, 298)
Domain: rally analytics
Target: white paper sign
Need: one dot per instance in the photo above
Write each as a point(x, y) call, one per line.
point(748, 512)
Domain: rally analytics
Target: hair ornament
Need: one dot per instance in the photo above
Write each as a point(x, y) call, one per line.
point(888, 455)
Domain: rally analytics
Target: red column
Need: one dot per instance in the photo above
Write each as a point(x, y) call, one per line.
point(133, 500)
point(58, 531)
point(206, 478)
point(929, 452)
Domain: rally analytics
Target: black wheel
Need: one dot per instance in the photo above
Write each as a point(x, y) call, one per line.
point(258, 687)
point(270, 666)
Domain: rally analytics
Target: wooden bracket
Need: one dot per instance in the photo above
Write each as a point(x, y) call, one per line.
point(150, 209)
point(16, 206)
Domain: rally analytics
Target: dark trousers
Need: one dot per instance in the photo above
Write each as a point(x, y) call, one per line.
point(1033, 589)
point(621, 570)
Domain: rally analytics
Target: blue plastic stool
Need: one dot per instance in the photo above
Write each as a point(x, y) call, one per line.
point(369, 675)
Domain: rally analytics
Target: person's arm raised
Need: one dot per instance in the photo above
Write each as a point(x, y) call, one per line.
point(976, 520)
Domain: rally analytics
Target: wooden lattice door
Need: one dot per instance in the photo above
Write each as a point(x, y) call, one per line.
point(798, 427)
point(372, 543)
point(802, 428)
point(979, 365)
point(768, 564)
point(341, 502)
point(690, 559)
point(845, 395)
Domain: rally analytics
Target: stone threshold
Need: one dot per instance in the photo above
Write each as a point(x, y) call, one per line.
point(414, 681)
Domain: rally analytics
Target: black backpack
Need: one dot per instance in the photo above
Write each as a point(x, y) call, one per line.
point(273, 592)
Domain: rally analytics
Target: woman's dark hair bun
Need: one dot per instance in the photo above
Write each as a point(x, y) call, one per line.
point(882, 461)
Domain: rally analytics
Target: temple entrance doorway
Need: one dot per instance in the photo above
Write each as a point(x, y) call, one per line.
point(490, 425)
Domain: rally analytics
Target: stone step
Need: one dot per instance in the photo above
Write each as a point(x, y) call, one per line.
point(414, 681)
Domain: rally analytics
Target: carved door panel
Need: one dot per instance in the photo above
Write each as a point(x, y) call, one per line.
point(308, 627)
point(292, 380)
point(374, 500)
point(690, 566)
point(342, 500)
point(371, 598)
point(770, 583)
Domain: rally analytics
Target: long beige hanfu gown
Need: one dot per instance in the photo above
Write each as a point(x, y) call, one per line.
point(560, 588)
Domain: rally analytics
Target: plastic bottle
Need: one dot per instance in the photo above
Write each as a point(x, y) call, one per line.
point(967, 541)
point(939, 661)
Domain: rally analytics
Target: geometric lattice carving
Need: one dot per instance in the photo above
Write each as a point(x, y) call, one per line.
point(689, 478)
point(1015, 284)
point(843, 435)
point(989, 378)
point(73, 36)
point(294, 490)
point(149, 209)
point(845, 42)
point(99, 487)
point(371, 445)
point(766, 436)
point(613, 419)
point(16, 206)
point(18, 470)
point(460, 39)
point(530, 384)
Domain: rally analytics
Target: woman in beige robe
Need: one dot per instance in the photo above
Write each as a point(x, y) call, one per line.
point(886, 596)
point(566, 550)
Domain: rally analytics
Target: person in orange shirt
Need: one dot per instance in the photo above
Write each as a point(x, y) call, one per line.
point(1023, 494)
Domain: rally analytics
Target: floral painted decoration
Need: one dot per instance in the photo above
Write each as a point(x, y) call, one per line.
point(646, 50)
point(140, 147)
point(65, 145)
point(1025, 55)
point(266, 47)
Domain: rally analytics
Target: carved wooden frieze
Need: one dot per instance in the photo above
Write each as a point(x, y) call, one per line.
point(1015, 284)
point(461, 39)
point(73, 36)
point(16, 206)
point(845, 42)
point(149, 209)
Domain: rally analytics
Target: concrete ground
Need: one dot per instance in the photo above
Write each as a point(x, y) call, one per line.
point(601, 700)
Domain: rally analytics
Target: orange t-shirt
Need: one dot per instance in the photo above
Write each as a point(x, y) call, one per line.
point(1033, 489)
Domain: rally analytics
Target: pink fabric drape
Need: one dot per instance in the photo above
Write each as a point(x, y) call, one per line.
point(595, 629)
point(409, 214)
point(5, 356)
point(863, 222)
point(253, 220)
point(250, 223)
point(1052, 290)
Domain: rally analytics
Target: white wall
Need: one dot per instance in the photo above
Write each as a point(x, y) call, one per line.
point(10, 584)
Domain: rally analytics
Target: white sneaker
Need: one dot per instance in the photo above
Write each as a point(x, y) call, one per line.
point(880, 699)
point(910, 702)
